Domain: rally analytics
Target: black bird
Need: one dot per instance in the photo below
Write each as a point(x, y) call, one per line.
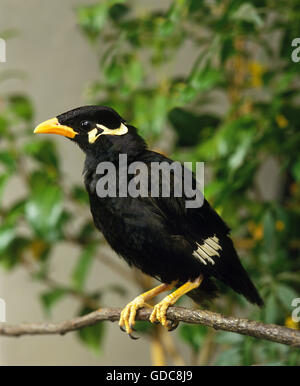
point(184, 248)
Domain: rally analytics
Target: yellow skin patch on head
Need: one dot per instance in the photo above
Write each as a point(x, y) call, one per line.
point(93, 134)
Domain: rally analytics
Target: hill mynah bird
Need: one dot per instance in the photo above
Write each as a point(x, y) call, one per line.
point(186, 249)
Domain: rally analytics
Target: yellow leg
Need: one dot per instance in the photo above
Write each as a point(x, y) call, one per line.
point(160, 310)
point(127, 318)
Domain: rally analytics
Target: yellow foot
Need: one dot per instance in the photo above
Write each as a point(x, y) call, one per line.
point(127, 318)
point(159, 312)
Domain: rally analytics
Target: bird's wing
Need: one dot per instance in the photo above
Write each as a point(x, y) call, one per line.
point(202, 220)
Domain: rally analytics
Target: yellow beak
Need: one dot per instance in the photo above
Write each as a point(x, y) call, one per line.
point(52, 126)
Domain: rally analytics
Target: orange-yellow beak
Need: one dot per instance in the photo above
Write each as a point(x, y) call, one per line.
point(52, 126)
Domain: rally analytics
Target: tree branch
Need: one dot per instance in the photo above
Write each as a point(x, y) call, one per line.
point(255, 329)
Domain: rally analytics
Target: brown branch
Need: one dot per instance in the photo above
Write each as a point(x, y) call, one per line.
point(255, 329)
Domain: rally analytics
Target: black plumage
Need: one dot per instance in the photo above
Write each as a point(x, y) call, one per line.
point(158, 235)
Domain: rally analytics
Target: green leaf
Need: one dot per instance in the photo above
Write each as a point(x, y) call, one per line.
point(247, 12)
point(22, 107)
point(158, 109)
point(193, 335)
point(50, 298)
point(14, 252)
point(44, 211)
point(80, 195)
point(190, 126)
point(118, 11)
point(4, 125)
point(113, 72)
point(286, 294)
point(269, 231)
point(186, 94)
point(43, 151)
point(205, 79)
point(7, 234)
point(134, 72)
point(247, 351)
point(151, 113)
point(227, 49)
point(41, 178)
point(92, 336)
point(86, 232)
point(15, 213)
point(283, 82)
point(92, 18)
point(3, 180)
point(271, 310)
point(196, 5)
point(83, 266)
point(229, 338)
point(8, 159)
point(230, 357)
point(143, 327)
point(296, 170)
point(238, 157)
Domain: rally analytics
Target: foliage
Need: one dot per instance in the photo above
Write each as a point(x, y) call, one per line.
point(41, 209)
point(234, 105)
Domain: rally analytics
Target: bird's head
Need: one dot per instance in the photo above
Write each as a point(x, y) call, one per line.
point(94, 129)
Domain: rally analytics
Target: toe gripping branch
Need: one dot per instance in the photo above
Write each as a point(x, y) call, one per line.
point(159, 313)
point(127, 318)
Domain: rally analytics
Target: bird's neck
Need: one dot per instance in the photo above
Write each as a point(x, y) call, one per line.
point(111, 147)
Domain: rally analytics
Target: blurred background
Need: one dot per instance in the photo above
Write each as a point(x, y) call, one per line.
point(210, 81)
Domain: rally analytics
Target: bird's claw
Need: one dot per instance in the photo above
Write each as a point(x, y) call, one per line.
point(133, 337)
point(159, 314)
point(172, 325)
point(127, 317)
point(130, 334)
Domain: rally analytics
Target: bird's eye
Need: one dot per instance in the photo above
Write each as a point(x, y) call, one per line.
point(85, 125)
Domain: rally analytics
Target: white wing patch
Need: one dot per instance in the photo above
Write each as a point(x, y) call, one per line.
point(208, 249)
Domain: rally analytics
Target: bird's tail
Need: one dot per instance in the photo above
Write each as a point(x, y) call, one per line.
point(245, 287)
point(235, 276)
point(208, 290)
